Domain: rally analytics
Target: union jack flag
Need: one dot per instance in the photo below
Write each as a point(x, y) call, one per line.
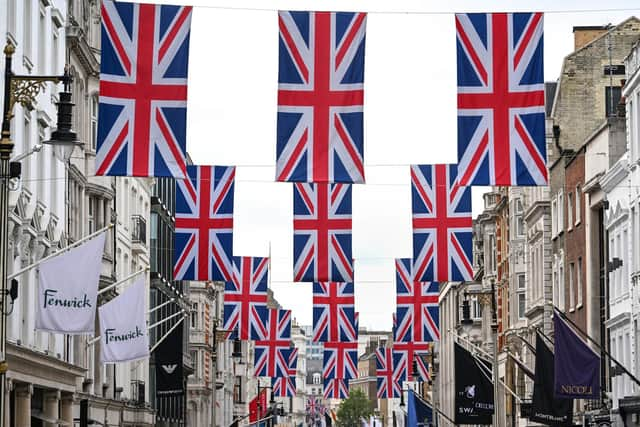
point(414, 352)
point(322, 233)
point(501, 121)
point(320, 133)
point(271, 352)
point(333, 312)
point(245, 296)
point(203, 238)
point(286, 386)
point(391, 369)
point(416, 307)
point(335, 389)
point(340, 360)
point(313, 405)
point(142, 119)
point(442, 242)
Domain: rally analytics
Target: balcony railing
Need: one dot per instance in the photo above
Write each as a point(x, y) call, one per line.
point(138, 229)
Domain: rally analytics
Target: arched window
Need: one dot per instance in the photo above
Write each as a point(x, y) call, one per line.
point(316, 378)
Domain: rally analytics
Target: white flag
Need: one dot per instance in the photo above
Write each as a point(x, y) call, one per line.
point(68, 289)
point(123, 326)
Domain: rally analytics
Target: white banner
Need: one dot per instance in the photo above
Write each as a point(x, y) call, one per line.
point(68, 289)
point(123, 326)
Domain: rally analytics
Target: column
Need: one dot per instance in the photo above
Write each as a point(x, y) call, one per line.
point(7, 402)
point(66, 408)
point(50, 399)
point(23, 405)
point(97, 366)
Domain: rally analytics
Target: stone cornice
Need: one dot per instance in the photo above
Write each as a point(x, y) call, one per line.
point(615, 174)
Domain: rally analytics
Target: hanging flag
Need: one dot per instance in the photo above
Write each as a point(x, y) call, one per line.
point(417, 311)
point(245, 295)
point(286, 386)
point(322, 233)
point(273, 327)
point(391, 367)
point(320, 132)
point(123, 326)
point(340, 360)
point(68, 289)
point(203, 238)
point(442, 233)
point(335, 388)
point(473, 388)
point(313, 405)
point(258, 406)
point(413, 352)
point(422, 368)
point(418, 411)
point(576, 365)
point(333, 312)
point(168, 360)
point(142, 119)
point(501, 117)
point(544, 408)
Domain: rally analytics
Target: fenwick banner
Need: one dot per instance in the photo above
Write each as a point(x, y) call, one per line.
point(473, 388)
point(68, 289)
point(544, 407)
point(168, 359)
point(123, 326)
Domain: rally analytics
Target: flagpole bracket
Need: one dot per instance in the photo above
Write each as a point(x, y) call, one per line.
point(4, 367)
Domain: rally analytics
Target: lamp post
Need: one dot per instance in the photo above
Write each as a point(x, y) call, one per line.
point(22, 90)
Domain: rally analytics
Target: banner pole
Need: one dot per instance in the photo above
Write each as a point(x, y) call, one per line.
point(166, 335)
point(60, 252)
point(157, 307)
point(521, 365)
point(121, 281)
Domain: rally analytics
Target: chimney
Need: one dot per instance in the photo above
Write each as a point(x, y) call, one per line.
point(583, 35)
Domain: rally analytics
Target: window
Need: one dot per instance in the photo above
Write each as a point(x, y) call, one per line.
point(578, 212)
point(42, 42)
point(560, 212)
point(519, 218)
point(521, 295)
point(194, 315)
point(94, 121)
point(561, 285)
point(194, 360)
point(26, 34)
point(570, 210)
point(624, 280)
point(572, 301)
point(476, 308)
point(11, 17)
point(492, 254)
point(579, 282)
point(612, 99)
point(93, 212)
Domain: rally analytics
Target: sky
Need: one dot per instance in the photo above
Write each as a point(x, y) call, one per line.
point(410, 117)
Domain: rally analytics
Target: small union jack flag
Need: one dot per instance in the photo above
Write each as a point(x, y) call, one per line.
point(417, 310)
point(142, 119)
point(340, 360)
point(391, 367)
point(271, 352)
point(501, 118)
point(335, 389)
point(286, 386)
point(203, 239)
point(322, 233)
point(414, 352)
point(245, 296)
point(442, 242)
point(313, 405)
point(333, 312)
point(320, 132)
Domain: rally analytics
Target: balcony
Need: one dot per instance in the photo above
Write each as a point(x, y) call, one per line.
point(138, 233)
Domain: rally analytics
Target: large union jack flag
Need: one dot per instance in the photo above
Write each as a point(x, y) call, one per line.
point(286, 386)
point(391, 368)
point(417, 310)
point(271, 352)
point(320, 134)
point(245, 297)
point(322, 233)
point(501, 123)
point(203, 239)
point(335, 389)
point(333, 312)
point(414, 352)
point(340, 360)
point(442, 232)
point(142, 119)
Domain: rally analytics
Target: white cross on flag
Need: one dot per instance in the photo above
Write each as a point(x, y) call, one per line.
point(123, 326)
point(68, 289)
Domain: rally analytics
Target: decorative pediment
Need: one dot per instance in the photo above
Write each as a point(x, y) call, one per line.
point(37, 218)
point(20, 209)
point(616, 213)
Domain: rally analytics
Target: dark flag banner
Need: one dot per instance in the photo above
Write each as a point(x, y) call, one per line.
point(418, 412)
point(473, 388)
point(577, 367)
point(168, 358)
point(544, 408)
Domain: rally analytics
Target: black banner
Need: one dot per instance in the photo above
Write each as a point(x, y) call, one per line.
point(168, 360)
point(544, 407)
point(473, 388)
